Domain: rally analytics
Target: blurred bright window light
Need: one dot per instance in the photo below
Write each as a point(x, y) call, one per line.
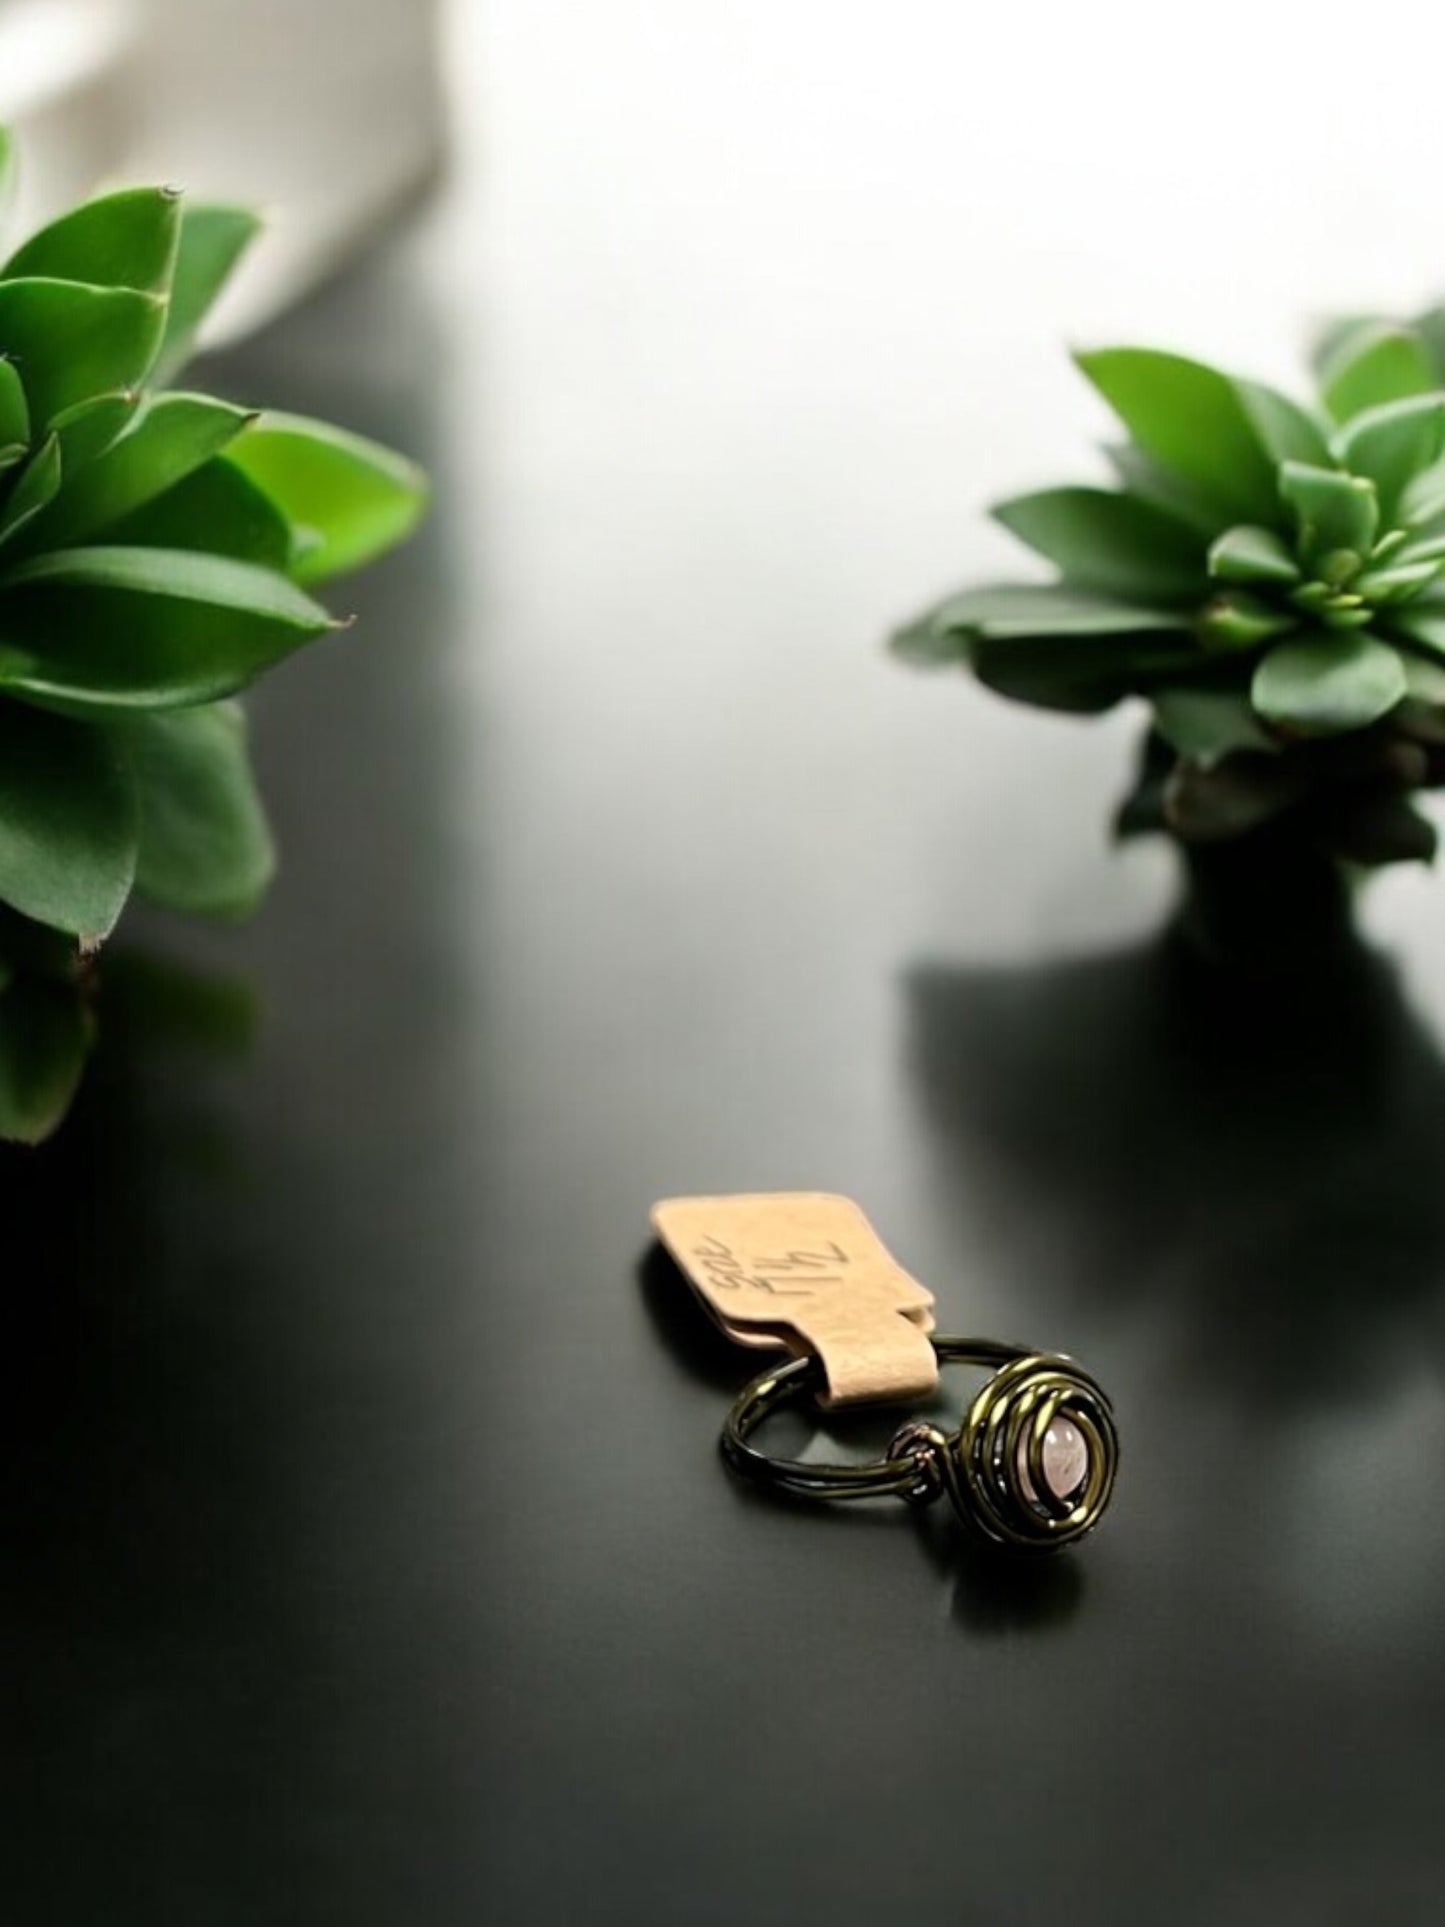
point(50, 47)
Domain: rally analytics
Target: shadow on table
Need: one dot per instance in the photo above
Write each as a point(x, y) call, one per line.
point(1261, 1155)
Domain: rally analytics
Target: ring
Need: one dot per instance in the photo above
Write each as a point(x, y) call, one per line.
point(1032, 1465)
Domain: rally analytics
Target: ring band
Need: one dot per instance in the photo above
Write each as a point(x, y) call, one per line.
point(1032, 1465)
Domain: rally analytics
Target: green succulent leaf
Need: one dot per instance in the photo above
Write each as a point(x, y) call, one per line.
point(124, 240)
point(171, 436)
point(1198, 423)
point(213, 238)
point(359, 499)
point(1207, 724)
point(1394, 443)
point(205, 847)
point(1373, 365)
point(72, 342)
point(67, 823)
point(14, 410)
point(34, 490)
point(1246, 554)
point(1147, 482)
point(91, 631)
point(86, 431)
point(1421, 623)
point(1109, 542)
point(1323, 685)
point(1240, 621)
point(1430, 327)
point(1335, 514)
point(216, 509)
point(1287, 432)
point(45, 1038)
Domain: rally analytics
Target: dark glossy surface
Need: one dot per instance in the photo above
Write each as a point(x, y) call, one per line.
point(364, 1551)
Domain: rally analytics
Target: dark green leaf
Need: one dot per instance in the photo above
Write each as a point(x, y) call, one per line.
point(112, 629)
point(1147, 482)
point(172, 436)
point(124, 240)
point(1245, 554)
point(1392, 444)
point(359, 498)
point(1335, 514)
point(204, 844)
point(36, 488)
point(1322, 685)
point(45, 1036)
point(218, 510)
point(1422, 623)
point(1208, 803)
point(1376, 828)
point(1048, 609)
point(1193, 420)
point(1205, 724)
point(71, 343)
point(212, 240)
point(67, 823)
point(1109, 542)
point(14, 411)
point(1374, 365)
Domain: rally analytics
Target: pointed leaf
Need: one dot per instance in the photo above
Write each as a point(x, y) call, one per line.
point(1375, 365)
point(172, 435)
point(111, 629)
point(1287, 431)
point(1113, 543)
point(1245, 554)
point(1192, 419)
point(1336, 514)
point(86, 431)
point(217, 510)
point(36, 488)
point(1147, 482)
point(1048, 609)
point(45, 1037)
point(67, 823)
point(213, 239)
point(204, 843)
point(124, 240)
point(1322, 685)
point(14, 410)
point(358, 497)
point(1392, 444)
point(72, 342)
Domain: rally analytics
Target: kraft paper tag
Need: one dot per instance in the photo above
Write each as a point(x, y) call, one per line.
point(806, 1270)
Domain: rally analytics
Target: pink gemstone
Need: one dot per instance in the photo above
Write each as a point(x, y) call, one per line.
point(1066, 1460)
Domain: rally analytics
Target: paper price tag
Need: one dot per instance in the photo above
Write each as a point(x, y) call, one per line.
point(806, 1270)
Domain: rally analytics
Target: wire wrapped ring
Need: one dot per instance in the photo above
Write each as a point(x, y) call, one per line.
point(1032, 1465)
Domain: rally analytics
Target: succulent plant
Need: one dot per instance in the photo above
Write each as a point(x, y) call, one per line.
point(157, 549)
point(1269, 577)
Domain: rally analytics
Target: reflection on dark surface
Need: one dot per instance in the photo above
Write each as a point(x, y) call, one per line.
point(1259, 1154)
